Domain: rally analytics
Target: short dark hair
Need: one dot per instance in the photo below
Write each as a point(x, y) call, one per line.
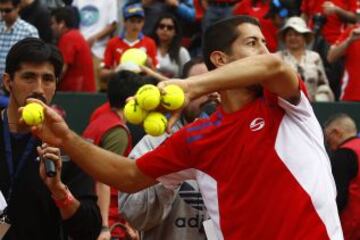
point(15, 3)
point(123, 85)
point(33, 50)
point(189, 64)
point(221, 35)
point(65, 14)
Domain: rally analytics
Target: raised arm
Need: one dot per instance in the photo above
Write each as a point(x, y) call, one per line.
point(267, 70)
point(338, 50)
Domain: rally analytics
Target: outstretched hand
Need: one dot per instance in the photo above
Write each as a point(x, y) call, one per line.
point(53, 129)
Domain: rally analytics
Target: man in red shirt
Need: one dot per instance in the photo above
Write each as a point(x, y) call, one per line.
point(348, 46)
point(131, 37)
point(341, 136)
point(78, 74)
point(328, 19)
point(264, 170)
point(337, 12)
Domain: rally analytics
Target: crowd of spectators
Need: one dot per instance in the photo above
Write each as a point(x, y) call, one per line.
point(320, 39)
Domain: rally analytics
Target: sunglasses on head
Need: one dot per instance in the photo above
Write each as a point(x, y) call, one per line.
point(168, 27)
point(6, 10)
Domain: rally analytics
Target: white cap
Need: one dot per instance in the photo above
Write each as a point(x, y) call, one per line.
point(296, 23)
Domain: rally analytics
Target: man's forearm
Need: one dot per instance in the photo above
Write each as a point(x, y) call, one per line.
point(265, 69)
point(105, 166)
point(338, 50)
point(346, 16)
point(103, 193)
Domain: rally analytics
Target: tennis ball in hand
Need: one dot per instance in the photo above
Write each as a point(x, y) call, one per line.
point(173, 97)
point(134, 55)
point(33, 114)
point(155, 124)
point(133, 113)
point(148, 97)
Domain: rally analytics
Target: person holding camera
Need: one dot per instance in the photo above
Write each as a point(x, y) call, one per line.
point(348, 46)
point(328, 19)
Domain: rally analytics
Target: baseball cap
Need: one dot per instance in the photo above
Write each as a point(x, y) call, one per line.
point(133, 10)
point(299, 25)
point(296, 23)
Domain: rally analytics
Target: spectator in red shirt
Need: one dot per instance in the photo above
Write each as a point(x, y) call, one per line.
point(337, 12)
point(258, 9)
point(348, 46)
point(78, 73)
point(131, 37)
point(328, 19)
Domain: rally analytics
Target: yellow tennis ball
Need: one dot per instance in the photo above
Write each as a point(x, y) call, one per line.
point(133, 113)
point(134, 55)
point(33, 114)
point(148, 97)
point(173, 97)
point(155, 124)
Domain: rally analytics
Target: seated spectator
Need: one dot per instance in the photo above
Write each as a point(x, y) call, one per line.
point(348, 46)
point(167, 36)
point(296, 36)
point(78, 73)
point(131, 37)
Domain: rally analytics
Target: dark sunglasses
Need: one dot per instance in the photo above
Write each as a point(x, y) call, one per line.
point(6, 10)
point(168, 27)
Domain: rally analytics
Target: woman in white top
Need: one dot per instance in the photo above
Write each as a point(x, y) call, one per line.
point(296, 36)
point(170, 54)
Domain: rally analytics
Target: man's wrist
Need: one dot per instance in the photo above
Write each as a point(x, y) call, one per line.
point(58, 191)
point(105, 228)
point(63, 200)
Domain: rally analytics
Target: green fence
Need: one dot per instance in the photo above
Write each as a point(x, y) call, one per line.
point(79, 106)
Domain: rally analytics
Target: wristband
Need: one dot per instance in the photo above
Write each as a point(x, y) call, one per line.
point(105, 229)
point(66, 201)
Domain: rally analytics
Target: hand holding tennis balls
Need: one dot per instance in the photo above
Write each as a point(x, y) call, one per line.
point(148, 98)
point(33, 114)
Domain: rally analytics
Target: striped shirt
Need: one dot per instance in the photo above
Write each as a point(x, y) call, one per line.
point(9, 36)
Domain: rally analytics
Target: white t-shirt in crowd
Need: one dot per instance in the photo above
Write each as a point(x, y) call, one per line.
point(171, 68)
point(95, 15)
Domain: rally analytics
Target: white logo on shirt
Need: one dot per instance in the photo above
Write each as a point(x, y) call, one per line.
point(257, 124)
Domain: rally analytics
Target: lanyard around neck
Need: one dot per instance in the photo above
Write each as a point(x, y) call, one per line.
point(14, 173)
